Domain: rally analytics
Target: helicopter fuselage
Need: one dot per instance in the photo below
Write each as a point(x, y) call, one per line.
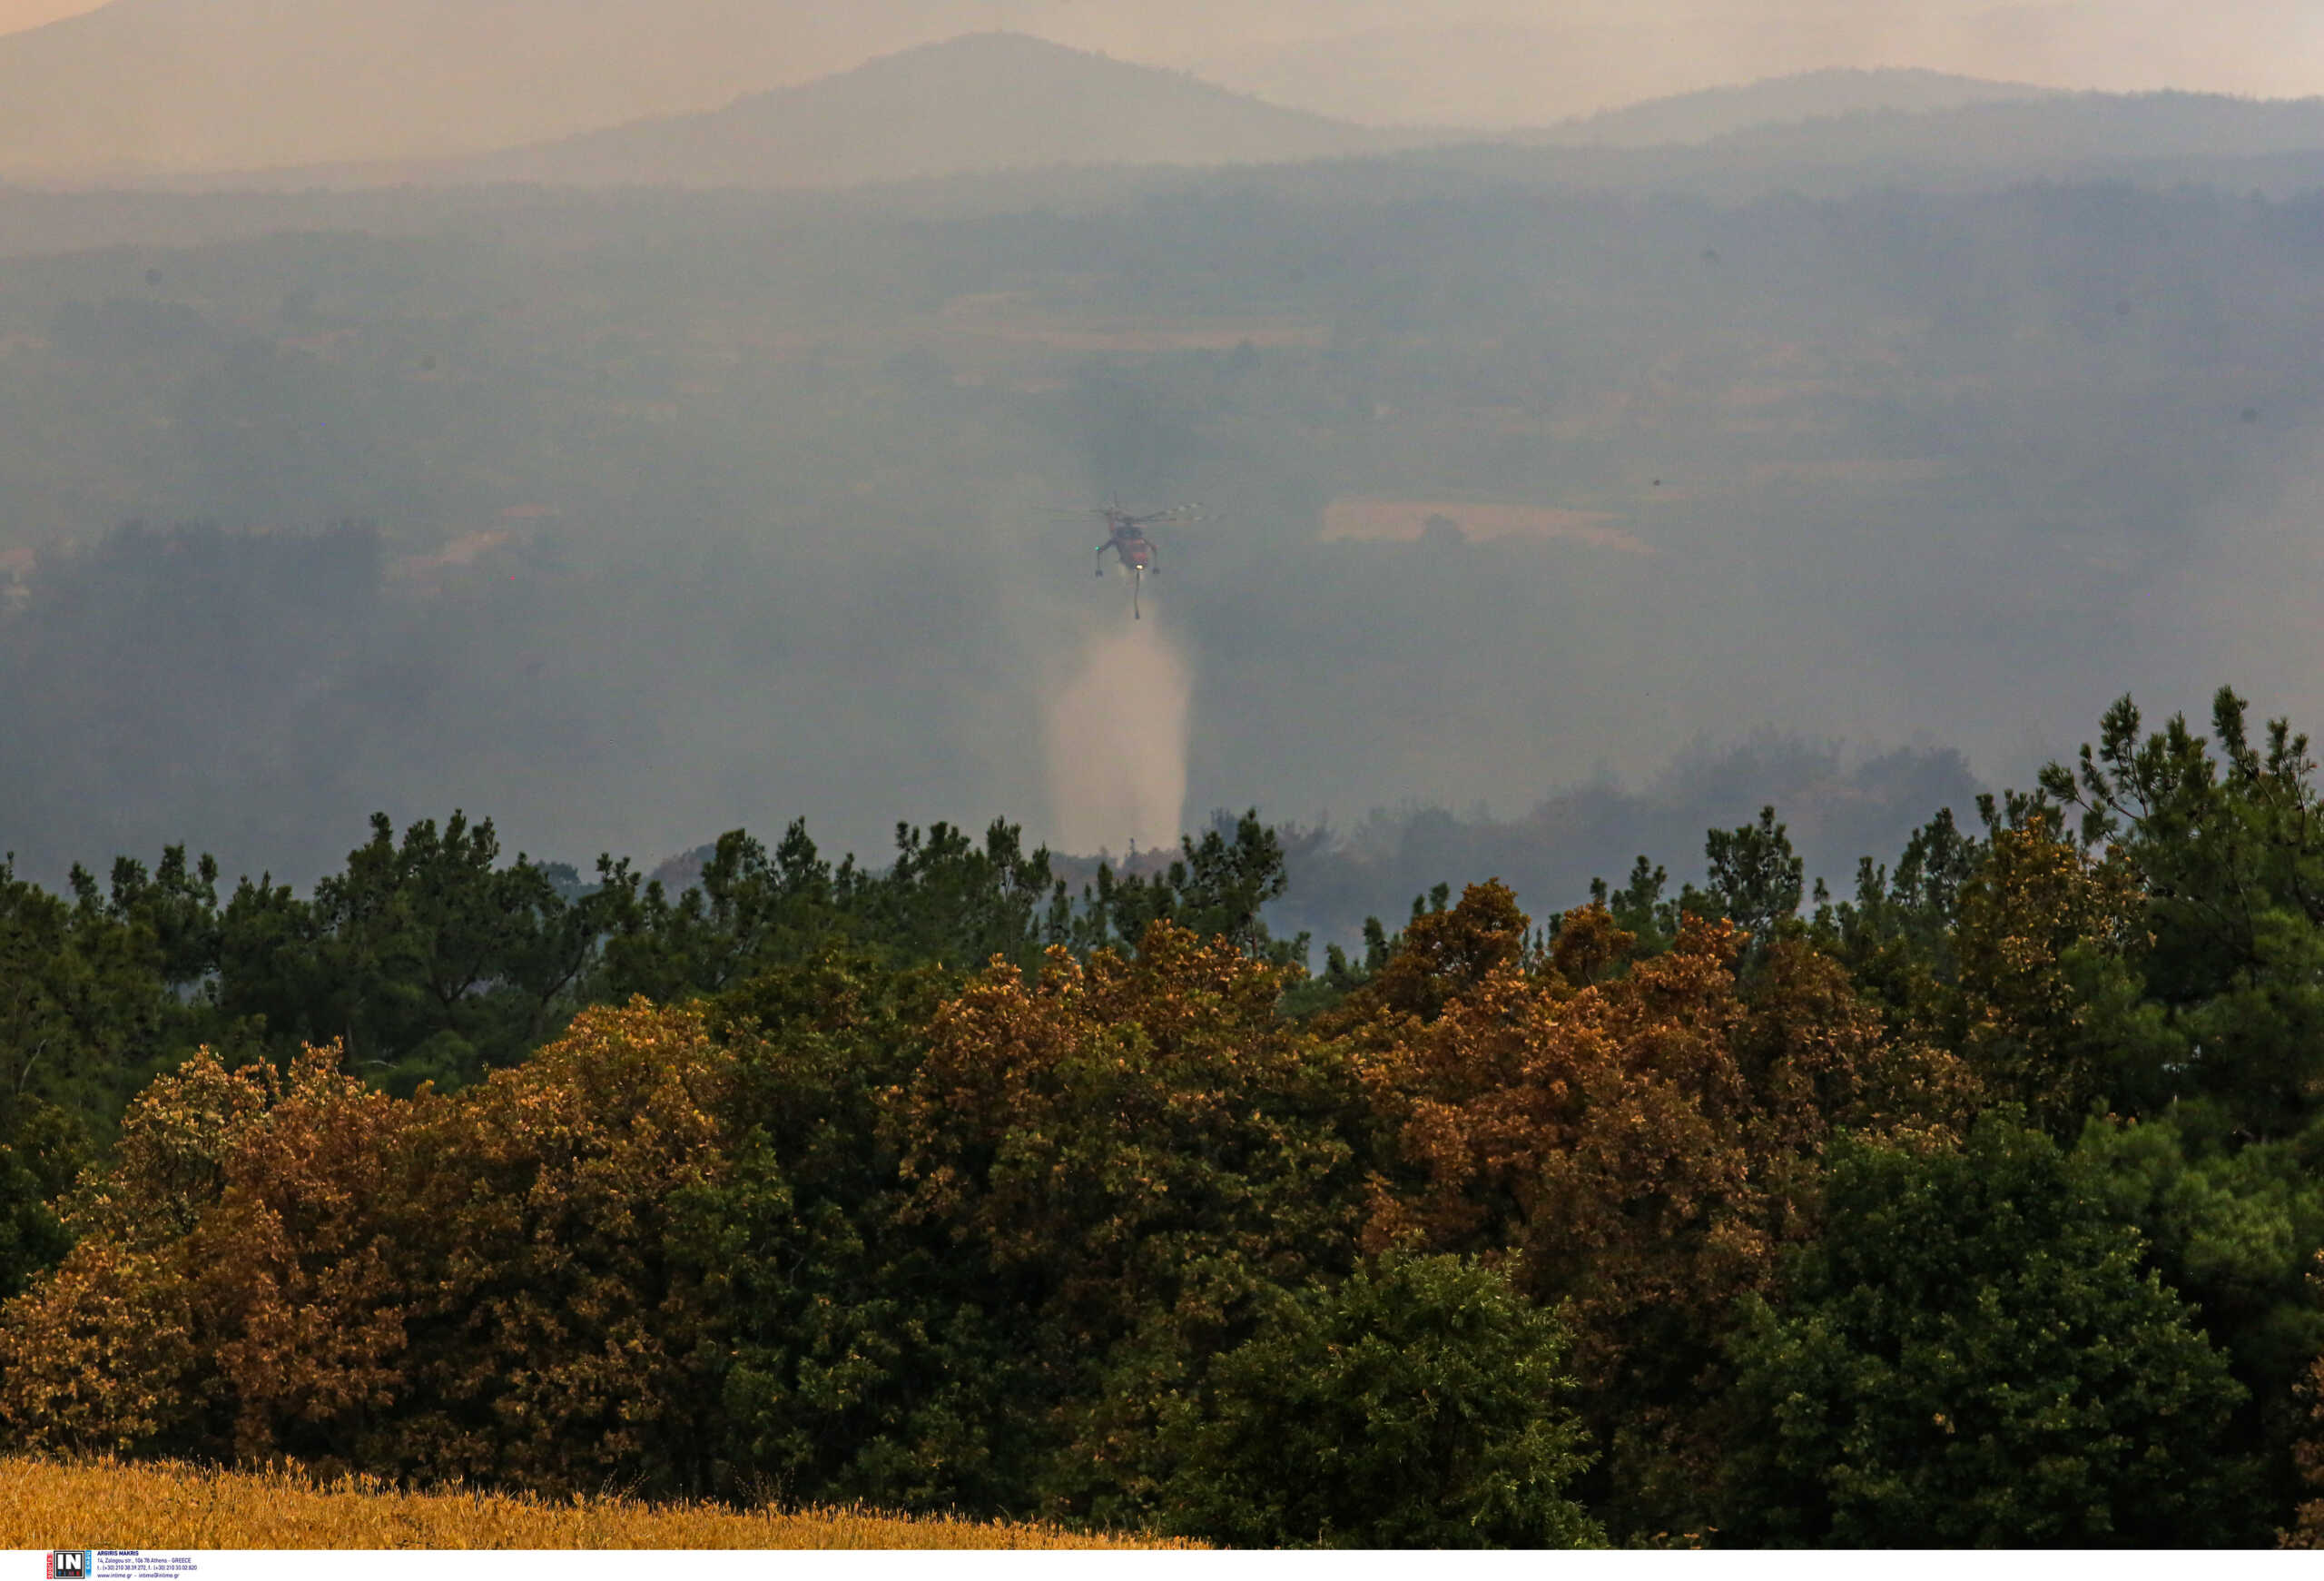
point(1136, 549)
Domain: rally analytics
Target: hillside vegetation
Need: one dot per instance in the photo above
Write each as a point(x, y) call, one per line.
point(1979, 1208)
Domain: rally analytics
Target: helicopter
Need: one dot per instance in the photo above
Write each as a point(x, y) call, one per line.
point(1125, 536)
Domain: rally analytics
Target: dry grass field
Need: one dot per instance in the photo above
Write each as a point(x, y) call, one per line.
point(106, 1504)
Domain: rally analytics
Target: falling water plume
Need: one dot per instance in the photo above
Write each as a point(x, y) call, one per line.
point(1118, 744)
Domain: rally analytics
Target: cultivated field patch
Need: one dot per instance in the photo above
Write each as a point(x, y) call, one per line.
point(106, 1504)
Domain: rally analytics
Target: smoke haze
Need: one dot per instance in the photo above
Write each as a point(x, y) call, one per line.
point(1899, 422)
point(15, 16)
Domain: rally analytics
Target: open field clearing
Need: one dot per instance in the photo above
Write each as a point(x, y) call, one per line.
point(166, 1505)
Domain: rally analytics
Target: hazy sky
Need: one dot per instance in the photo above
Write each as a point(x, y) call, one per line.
point(2260, 47)
point(21, 13)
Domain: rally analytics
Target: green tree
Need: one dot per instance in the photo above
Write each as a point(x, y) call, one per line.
point(1896, 938)
point(1133, 1152)
point(2050, 1008)
point(426, 959)
point(749, 909)
point(1418, 1403)
point(2226, 838)
point(98, 994)
point(946, 900)
point(2236, 1229)
point(862, 1357)
point(1218, 888)
point(41, 1152)
point(1757, 880)
point(950, 901)
point(1638, 907)
point(1973, 1355)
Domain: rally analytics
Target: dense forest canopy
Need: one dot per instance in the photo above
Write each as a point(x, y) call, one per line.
point(1977, 1204)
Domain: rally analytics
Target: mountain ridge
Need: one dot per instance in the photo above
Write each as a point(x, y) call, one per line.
point(178, 86)
point(979, 101)
point(900, 118)
point(1707, 114)
point(990, 102)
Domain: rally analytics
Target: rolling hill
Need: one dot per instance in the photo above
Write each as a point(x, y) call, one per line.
point(170, 86)
point(1716, 112)
point(993, 103)
point(2044, 133)
point(1453, 64)
point(983, 102)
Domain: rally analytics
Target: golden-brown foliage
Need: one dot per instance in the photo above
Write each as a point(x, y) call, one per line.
point(1599, 1133)
point(1109, 1127)
point(1644, 1141)
point(165, 1504)
point(1117, 1165)
point(291, 1263)
point(1639, 1136)
point(97, 1355)
point(293, 1274)
point(557, 1346)
point(1131, 1153)
point(1445, 955)
point(221, 1266)
point(2027, 1002)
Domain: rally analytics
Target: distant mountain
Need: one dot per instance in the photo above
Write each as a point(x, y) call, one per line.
point(2050, 132)
point(1457, 64)
point(1716, 112)
point(169, 87)
point(984, 102)
point(1629, 81)
point(161, 86)
point(2156, 140)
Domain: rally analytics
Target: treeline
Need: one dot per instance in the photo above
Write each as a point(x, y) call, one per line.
point(431, 958)
point(1983, 1205)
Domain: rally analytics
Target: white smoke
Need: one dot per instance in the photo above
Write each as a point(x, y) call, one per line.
point(1118, 744)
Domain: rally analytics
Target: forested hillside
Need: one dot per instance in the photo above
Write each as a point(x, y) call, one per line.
point(1981, 1204)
